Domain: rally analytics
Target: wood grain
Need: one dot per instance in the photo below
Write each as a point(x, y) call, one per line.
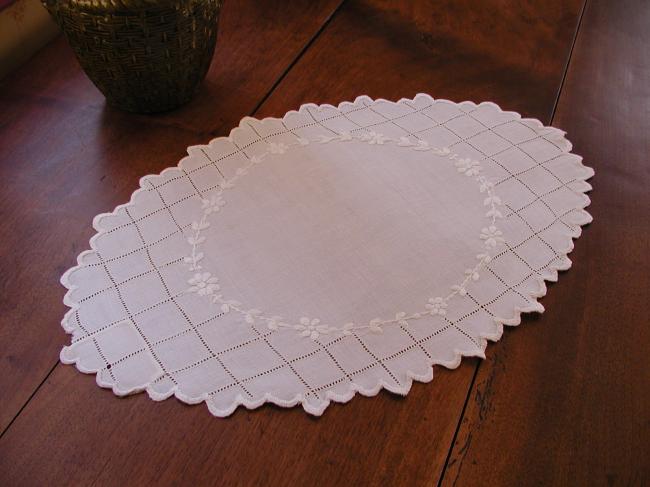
point(393, 49)
point(65, 157)
point(566, 400)
point(73, 433)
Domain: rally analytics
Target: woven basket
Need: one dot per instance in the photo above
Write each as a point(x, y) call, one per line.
point(144, 55)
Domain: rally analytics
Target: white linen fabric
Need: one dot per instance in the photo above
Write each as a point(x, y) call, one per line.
point(338, 249)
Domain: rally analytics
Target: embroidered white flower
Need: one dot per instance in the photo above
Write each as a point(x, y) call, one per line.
point(213, 204)
point(492, 201)
point(347, 329)
point(373, 137)
point(472, 274)
point(494, 213)
point(275, 323)
point(437, 306)
point(302, 141)
point(194, 240)
point(486, 186)
point(202, 224)
point(250, 315)
point(203, 284)
point(401, 319)
point(460, 289)
point(468, 167)
point(422, 145)
point(228, 306)
point(345, 136)
point(375, 326)
point(193, 260)
point(278, 147)
point(311, 328)
point(492, 236)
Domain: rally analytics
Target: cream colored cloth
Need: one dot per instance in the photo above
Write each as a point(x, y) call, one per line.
point(335, 250)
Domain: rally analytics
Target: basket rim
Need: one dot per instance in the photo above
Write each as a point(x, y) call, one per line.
point(104, 6)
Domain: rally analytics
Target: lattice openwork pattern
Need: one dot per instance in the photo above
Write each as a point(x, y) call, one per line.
point(134, 323)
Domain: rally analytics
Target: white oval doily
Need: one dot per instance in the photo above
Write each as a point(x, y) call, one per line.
point(335, 250)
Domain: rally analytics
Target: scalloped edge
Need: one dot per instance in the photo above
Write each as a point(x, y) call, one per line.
point(353, 388)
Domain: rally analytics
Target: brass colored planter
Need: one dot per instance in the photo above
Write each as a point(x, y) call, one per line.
point(144, 55)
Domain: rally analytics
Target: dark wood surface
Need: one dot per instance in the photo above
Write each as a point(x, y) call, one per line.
point(562, 400)
point(56, 129)
point(568, 393)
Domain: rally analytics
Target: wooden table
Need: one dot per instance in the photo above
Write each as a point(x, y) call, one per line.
point(562, 400)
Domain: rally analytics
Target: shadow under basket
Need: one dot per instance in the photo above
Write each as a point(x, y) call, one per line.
point(145, 56)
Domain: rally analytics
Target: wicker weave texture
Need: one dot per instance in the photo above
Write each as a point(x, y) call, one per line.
point(144, 56)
